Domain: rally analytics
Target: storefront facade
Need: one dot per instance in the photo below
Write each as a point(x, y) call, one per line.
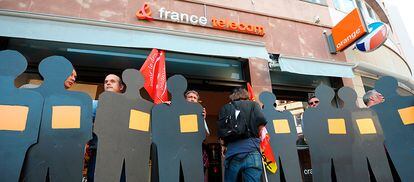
point(277, 46)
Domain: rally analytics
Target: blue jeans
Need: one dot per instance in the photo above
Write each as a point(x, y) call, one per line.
point(250, 166)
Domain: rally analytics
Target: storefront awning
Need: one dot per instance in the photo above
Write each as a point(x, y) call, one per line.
point(64, 29)
point(316, 67)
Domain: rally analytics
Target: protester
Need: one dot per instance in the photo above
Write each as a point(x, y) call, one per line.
point(69, 82)
point(372, 97)
point(313, 102)
point(112, 83)
point(193, 96)
point(243, 151)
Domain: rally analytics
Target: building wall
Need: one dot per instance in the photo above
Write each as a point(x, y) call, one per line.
point(289, 29)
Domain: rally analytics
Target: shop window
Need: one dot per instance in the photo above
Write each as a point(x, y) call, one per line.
point(323, 2)
point(344, 5)
point(96, 60)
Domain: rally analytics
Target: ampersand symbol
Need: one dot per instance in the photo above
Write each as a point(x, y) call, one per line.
point(144, 13)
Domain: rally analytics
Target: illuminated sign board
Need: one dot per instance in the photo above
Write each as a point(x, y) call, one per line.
point(348, 30)
point(145, 13)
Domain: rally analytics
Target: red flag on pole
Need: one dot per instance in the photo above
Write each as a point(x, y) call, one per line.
point(267, 152)
point(155, 77)
point(250, 90)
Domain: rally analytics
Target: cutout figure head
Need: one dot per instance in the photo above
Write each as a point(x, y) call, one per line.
point(387, 86)
point(268, 99)
point(176, 85)
point(133, 79)
point(325, 94)
point(348, 96)
point(12, 63)
point(56, 68)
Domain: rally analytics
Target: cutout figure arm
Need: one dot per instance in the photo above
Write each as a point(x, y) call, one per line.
point(259, 116)
point(87, 113)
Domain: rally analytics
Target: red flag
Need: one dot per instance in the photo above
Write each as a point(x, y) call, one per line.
point(155, 77)
point(250, 90)
point(267, 152)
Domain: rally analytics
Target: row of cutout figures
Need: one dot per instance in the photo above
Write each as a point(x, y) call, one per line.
point(43, 131)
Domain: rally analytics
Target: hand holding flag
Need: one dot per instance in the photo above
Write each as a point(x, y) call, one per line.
point(155, 76)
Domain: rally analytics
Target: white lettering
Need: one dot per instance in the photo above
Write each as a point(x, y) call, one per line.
point(203, 21)
point(307, 171)
point(166, 14)
point(175, 16)
point(182, 17)
point(193, 19)
point(349, 38)
point(161, 12)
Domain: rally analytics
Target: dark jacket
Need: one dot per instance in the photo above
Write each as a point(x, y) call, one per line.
point(252, 110)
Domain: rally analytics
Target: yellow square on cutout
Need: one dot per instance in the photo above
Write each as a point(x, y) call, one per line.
point(13, 118)
point(66, 117)
point(407, 115)
point(336, 126)
point(139, 120)
point(188, 123)
point(281, 126)
point(366, 126)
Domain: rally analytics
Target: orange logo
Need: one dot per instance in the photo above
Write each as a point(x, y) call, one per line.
point(348, 30)
point(144, 13)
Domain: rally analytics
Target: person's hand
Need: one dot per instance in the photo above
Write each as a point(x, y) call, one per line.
point(167, 102)
point(204, 112)
point(223, 151)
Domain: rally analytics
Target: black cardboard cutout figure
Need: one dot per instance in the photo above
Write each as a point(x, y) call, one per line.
point(396, 117)
point(123, 128)
point(369, 140)
point(282, 130)
point(65, 128)
point(329, 134)
point(20, 113)
point(178, 132)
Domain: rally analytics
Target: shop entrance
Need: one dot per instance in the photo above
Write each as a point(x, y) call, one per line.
point(213, 77)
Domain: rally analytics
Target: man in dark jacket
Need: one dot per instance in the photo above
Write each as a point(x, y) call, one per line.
point(243, 154)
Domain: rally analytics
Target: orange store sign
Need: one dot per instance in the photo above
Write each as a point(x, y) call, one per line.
point(145, 13)
point(348, 30)
point(238, 27)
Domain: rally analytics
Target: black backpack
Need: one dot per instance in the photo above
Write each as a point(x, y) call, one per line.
point(231, 128)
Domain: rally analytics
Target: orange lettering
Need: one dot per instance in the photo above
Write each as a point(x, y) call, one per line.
point(238, 27)
point(214, 21)
point(222, 23)
point(249, 29)
point(144, 13)
point(259, 30)
point(242, 27)
point(233, 26)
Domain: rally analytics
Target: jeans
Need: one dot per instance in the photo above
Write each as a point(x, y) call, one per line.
point(250, 166)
